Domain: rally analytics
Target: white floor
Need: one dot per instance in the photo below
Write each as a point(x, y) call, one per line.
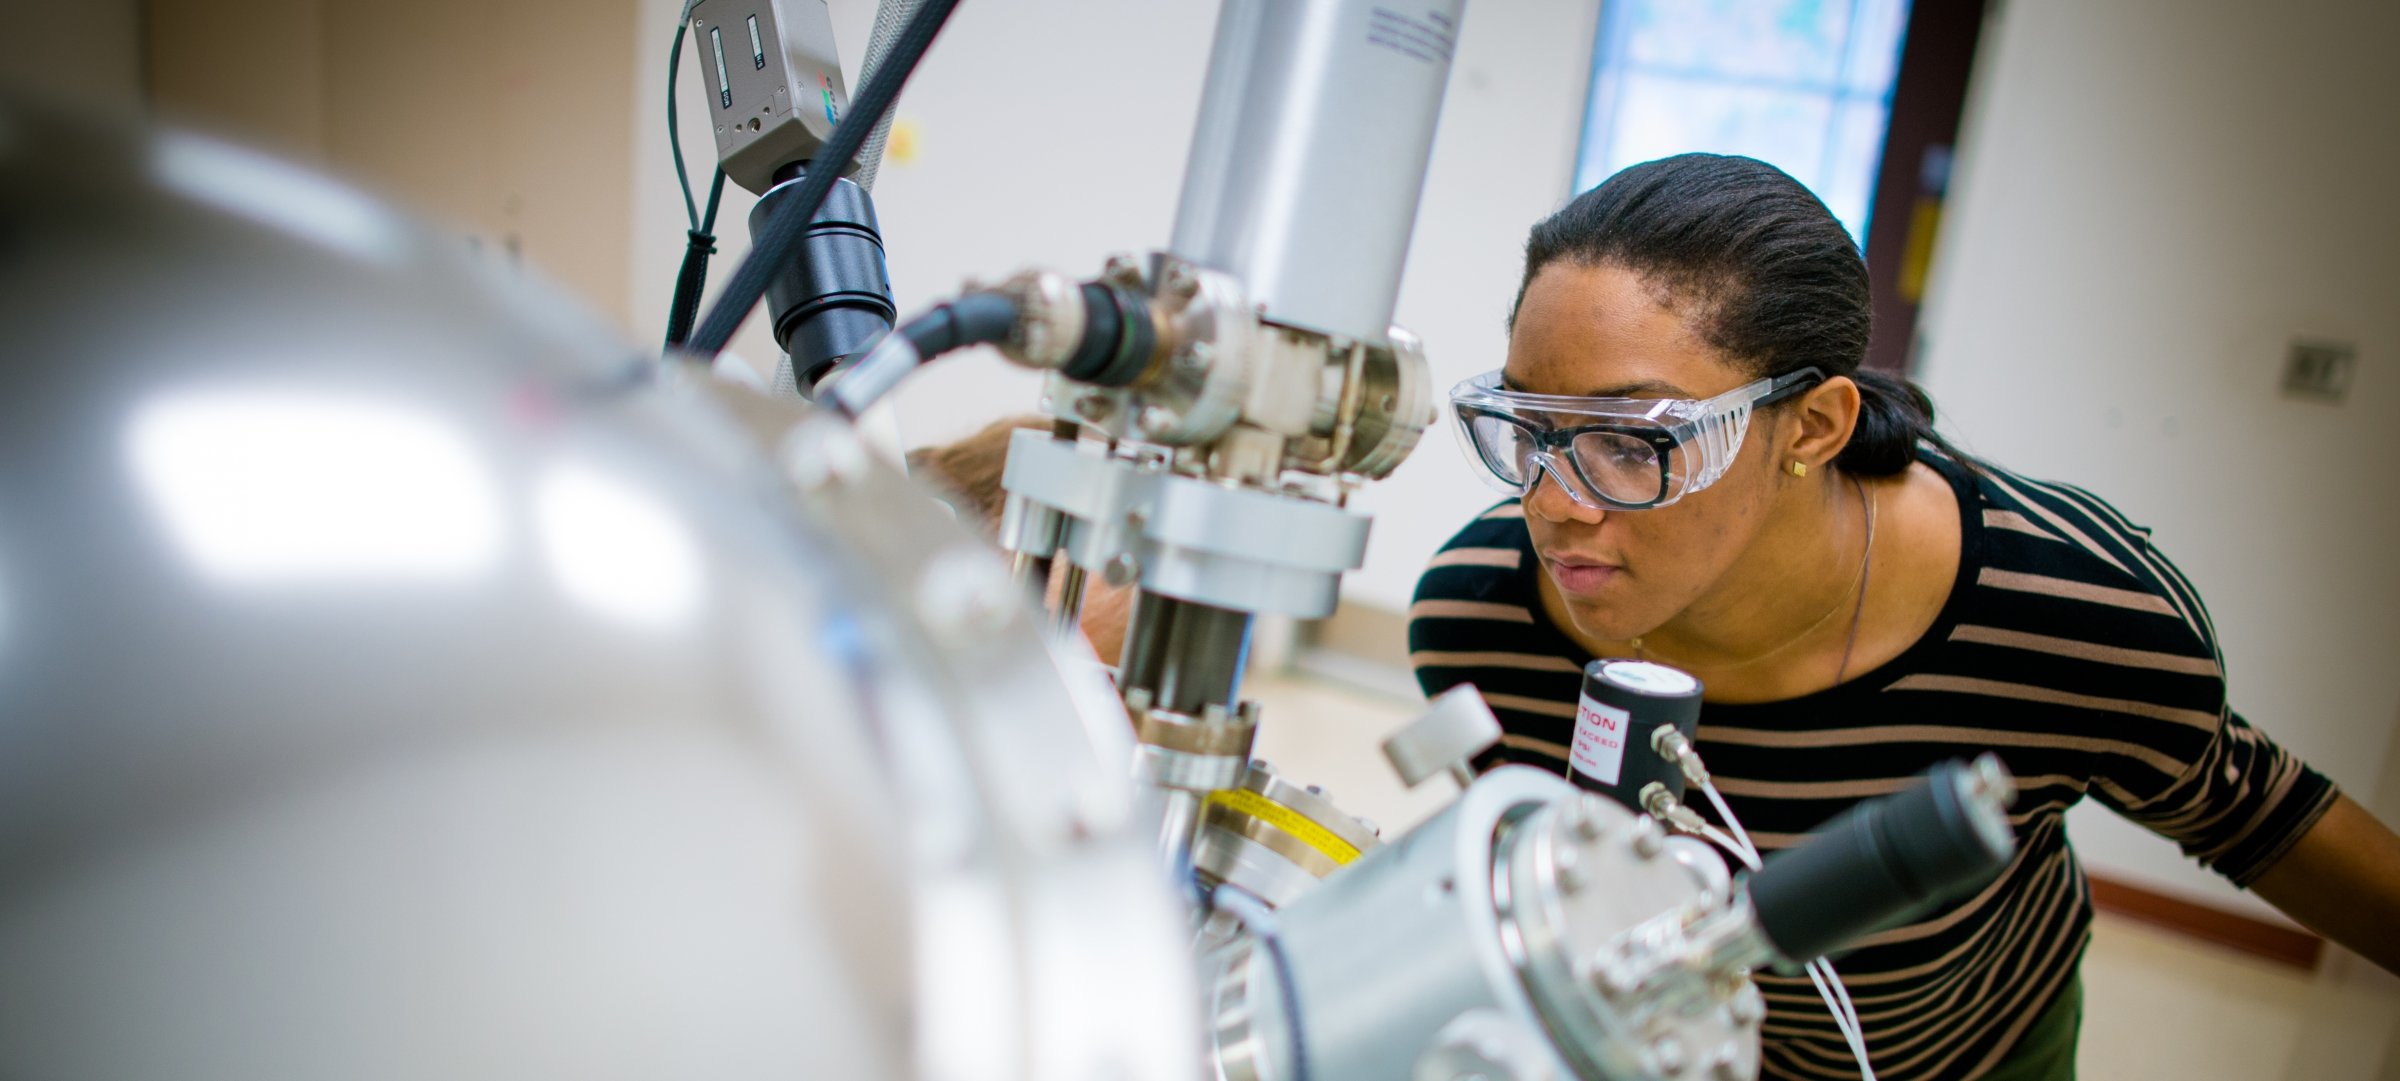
point(2157, 1005)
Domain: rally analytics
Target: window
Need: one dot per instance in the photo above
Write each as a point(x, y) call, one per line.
point(1804, 84)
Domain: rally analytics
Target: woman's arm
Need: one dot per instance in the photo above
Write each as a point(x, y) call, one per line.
point(2341, 879)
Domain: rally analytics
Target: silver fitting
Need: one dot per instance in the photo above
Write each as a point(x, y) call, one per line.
point(1662, 805)
point(1050, 319)
point(1676, 748)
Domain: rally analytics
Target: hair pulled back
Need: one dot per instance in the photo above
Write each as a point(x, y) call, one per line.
point(1767, 275)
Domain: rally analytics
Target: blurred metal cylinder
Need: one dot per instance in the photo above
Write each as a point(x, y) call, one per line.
point(402, 677)
point(1310, 152)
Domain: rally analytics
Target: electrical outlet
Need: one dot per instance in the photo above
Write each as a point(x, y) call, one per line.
point(2319, 369)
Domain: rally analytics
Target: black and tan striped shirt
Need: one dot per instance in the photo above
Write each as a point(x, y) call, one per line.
point(2068, 645)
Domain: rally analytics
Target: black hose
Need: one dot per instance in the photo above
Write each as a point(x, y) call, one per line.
point(700, 242)
point(775, 244)
point(973, 319)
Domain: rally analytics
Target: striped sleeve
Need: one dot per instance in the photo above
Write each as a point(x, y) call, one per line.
point(2173, 755)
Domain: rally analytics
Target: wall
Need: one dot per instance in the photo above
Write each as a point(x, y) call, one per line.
point(85, 54)
point(504, 121)
point(2153, 196)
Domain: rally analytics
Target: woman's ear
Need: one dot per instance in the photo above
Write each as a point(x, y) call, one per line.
point(1822, 421)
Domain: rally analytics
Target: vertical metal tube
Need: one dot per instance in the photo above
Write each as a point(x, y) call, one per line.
point(1067, 618)
point(1146, 642)
point(1177, 829)
point(1028, 570)
point(1315, 126)
point(1206, 651)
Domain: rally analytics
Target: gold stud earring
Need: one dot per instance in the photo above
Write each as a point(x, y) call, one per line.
point(1799, 468)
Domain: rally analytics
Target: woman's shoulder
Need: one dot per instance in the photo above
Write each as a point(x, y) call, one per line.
point(2078, 553)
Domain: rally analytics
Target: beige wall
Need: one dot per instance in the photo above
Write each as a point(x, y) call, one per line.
point(79, 53)
point(508, 121)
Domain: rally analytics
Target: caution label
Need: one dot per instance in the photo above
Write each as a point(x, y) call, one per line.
point(1299, 826)
point(1599, 750)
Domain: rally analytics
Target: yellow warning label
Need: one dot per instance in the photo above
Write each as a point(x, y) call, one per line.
point(1299, 826)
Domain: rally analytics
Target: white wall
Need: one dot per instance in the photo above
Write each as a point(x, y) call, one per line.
point(2154, 195)
point(1054, 133)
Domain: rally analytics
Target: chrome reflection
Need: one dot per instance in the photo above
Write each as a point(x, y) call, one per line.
point(276, 194)
point(272, 486)
point(615, 549)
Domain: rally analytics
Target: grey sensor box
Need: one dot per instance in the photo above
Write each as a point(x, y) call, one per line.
point(775, 87)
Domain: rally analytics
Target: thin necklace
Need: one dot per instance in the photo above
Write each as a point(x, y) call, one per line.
point(1865, 565)
point(1866, 561)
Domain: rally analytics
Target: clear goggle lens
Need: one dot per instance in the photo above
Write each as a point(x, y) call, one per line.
point(1620, 468)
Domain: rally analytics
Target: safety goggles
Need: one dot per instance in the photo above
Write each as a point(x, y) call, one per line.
point(1611, 453)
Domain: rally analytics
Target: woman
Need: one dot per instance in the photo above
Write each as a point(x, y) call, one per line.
point(1707, 479)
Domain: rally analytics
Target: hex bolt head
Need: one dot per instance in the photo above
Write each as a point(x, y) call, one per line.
point(1094, 407)
point(1748, 1007)
point(1567, 860)
point(1584, 817)
point(1666, 1057)
point(1157, 418)
point(1121, 571)
point(1648, 840)
point(1182, 283)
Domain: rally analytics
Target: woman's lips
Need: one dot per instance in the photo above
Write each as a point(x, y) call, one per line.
point(1582, 576)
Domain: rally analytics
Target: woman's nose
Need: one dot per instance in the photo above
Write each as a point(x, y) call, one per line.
point(1549, 499)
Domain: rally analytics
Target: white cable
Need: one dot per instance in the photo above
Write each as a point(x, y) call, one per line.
point(1845, 1016)
point(1820, 971)
point(1717, 800)
point(1725, 841)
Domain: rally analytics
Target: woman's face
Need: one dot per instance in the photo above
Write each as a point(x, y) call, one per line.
point(1604, 332)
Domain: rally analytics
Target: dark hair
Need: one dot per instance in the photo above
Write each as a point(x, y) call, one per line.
point(1764, 271)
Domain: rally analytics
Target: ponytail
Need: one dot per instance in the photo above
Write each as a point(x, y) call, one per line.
point(1893, 414)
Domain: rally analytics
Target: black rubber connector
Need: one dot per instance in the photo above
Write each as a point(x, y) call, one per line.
point(1118, 337)
point(1877, 864)
point(972, 319)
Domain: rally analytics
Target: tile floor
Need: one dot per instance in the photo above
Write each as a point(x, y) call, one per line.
point(2157, 1005)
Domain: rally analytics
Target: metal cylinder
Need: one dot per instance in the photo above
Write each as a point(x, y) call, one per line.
point(1624, 703)
point(833, 299)
point(1884, 859)
point(1187, 654)
point(1426, 899)
point(1310, 152)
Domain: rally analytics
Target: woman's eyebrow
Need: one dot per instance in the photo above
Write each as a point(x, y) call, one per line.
point(1636, 389)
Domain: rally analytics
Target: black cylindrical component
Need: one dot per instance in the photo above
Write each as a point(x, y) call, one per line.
point(1624, 704)
point(832, 299)
point(1883, 860)
point(1118, 337)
